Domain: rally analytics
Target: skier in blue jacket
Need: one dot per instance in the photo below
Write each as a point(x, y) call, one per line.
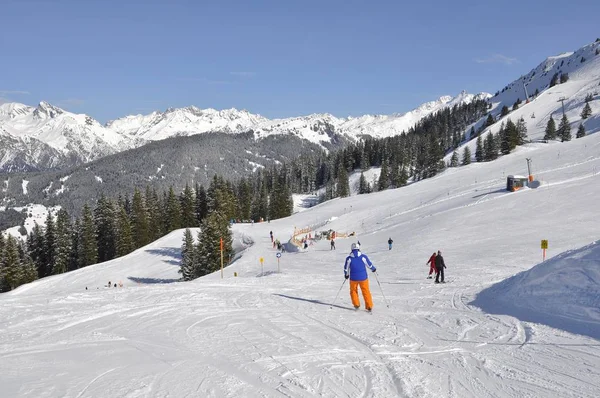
point(355, 270)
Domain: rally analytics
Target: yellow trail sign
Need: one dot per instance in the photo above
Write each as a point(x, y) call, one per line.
point(544, 244)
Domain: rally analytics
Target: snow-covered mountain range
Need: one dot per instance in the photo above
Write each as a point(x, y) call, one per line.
point(316, 128)
point(47, 136)
point(54, 137)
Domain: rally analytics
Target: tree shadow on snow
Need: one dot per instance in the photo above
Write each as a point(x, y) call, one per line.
point(174, 253)
point(309, 202)
point(266, 273)
point(313, 301)
point(151, 281)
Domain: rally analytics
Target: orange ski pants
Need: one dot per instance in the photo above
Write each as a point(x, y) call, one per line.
point(364, 288)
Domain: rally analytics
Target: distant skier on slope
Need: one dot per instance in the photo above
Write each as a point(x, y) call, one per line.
point(332, 244)
point(390, 241)
point(431, 263)
point(439, 267)
point(354, 269)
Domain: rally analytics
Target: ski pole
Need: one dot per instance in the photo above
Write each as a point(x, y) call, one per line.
point(377, 278)
point(338, 293)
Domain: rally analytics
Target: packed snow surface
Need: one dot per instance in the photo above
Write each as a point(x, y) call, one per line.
point(563, 292)
point(269, 333)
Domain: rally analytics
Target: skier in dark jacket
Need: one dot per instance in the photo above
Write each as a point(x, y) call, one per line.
point(355, 269)
point(439, 267)
point(390, 241)
point(332, 244)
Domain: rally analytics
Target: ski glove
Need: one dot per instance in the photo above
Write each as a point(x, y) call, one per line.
point(374, 269)
point(346, 276)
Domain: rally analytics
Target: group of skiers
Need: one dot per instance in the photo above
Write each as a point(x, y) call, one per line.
point(276, 243)
point(437, 265)
point(355, 269)
point(356, 264)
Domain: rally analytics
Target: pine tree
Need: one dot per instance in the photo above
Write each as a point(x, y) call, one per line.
point(4, 285)
point(35, 248)
point(505, 138)
point(139, 221)
point(10, 265)
point(479, 153)
point(172, 211)
point(213, 228)
point(124, 241)
point(550, 133)
point(587, 111)
point(62, 252)
point(343, 185)
point(564, 129)
point(363, 185)
point(490, 120)
point(188, 214)
point(384, 178)
point(261, 202)
point(454, 159)
point(244, 199)
point(16, 266)
point(28, 270)
point(201, 203)
point(504, 111)
point(393, 173)
point(565, 77)
point(280, 201)
point(75, 245)
point(402, 178)
point(580, 131)
point(188, 267)
point(104, 219)
point(521, 131)
point(513, 134)
point(466, 157)
point(153, 214)
point(554, 80)
point(490, 147)
point(49, 245)
point(434, 157)
point(88, 247)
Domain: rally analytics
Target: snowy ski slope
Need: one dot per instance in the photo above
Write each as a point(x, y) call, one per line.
point(272, 334)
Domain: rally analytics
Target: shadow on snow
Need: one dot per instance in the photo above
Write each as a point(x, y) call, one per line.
point(174, 253)
point(151, 281)
point(313, 301)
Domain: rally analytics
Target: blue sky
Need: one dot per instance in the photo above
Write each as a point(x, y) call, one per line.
point(276, 58)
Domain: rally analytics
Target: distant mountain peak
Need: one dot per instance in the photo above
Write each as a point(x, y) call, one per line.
point(46, 110)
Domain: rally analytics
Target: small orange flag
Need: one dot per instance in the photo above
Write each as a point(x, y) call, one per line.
point(221, 244)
